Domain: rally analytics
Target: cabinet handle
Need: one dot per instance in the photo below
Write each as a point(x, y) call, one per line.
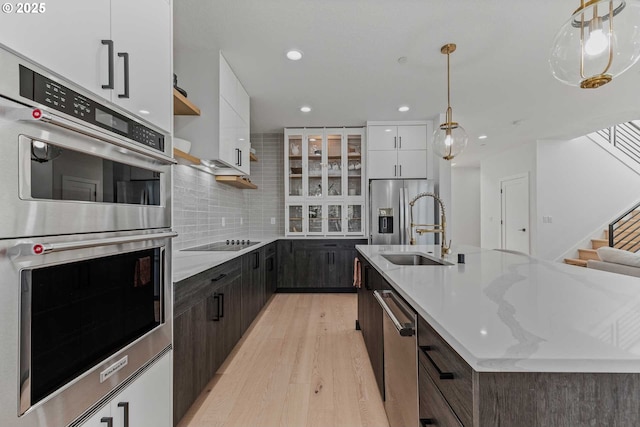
point(290, 246)
point(400, 170)
point(221, 305)
point(427, 421)
point(107, 420)
point(333, 258)
point(395, 138)
point(220, 277)
point(213, 301)
point(395, 170)
point(330, 245)
point(125, 55)
point(240, 157)
point(443, 375)
point(269, 264)
point(328, 257)
point(400, 142)
point(256, 262)
point(109, 43)
point(125, 406)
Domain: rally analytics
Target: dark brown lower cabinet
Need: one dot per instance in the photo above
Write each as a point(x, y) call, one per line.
point(270, 271)
point(434, 410)
point(206, 327)
point(253, 286)
point(316, 265)
point(370, 320)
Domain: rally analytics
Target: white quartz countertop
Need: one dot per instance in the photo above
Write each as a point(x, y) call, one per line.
point(508, 312)
point(189, 263)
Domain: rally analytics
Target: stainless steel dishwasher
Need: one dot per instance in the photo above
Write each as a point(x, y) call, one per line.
point(400, 361)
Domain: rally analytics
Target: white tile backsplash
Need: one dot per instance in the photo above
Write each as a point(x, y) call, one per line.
point(200, 203)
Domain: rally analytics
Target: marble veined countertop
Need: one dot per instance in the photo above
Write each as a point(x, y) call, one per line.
point(505, 312)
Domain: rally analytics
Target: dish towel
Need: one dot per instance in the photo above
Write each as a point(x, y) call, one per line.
point(357, 273)
point(142, 275)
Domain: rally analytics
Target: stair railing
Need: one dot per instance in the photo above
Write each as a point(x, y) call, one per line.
point(625, 137)
point(624, 231)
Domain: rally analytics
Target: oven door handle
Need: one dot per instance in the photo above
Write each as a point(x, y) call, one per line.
point(46, 117)
point(45, 248)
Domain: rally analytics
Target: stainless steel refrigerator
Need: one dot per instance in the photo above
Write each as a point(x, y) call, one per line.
point(389, 211)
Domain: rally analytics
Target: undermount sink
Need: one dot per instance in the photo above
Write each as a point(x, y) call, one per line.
point(412, 259)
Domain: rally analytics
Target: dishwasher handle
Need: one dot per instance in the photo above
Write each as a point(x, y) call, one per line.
point(405, 330)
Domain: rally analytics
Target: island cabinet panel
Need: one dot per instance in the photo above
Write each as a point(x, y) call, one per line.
point(557, 399)
point(370, 320)
point(434, 409)
point(448, 371)
point(207, 325)
point(316, 265)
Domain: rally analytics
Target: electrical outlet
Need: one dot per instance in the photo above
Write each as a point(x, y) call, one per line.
point(224, 224)
point(273, 221)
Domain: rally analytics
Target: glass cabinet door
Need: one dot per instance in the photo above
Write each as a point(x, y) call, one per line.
point(355, 219)
point(295, 220)
point(355, 177)
point(294, 166)
point(334, 164)
point(315, 219)
point(314, 164)
point(334, 219)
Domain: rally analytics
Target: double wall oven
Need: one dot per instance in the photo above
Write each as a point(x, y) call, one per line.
point(85, 246)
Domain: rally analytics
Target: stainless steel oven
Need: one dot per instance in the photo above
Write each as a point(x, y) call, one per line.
point(85, 247)
point(85, 312)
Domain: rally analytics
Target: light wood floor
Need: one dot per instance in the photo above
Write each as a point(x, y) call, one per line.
point(302, 363)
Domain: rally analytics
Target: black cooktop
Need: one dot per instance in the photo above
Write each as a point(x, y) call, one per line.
point(228, 245)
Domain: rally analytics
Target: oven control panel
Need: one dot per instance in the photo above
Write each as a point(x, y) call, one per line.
point(45, 91)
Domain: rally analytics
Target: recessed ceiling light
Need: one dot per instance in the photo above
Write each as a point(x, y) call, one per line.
point(305, 109)
point(403, 109)
point(294, 55)
point(482, 137)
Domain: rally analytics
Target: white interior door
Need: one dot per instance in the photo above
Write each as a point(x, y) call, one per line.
point(515, 213)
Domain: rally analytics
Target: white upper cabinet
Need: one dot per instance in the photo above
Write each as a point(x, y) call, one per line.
point(234, 145)
point(141, 33)
point(397, 150)
point(80, 40)
point(66, 38)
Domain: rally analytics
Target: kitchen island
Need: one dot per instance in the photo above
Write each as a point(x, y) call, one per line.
point(535, 342)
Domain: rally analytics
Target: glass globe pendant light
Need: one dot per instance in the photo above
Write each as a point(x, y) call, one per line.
point(450, 139)
point(600, 41)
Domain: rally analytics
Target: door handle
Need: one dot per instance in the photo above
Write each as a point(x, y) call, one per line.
point(107, 420)
point(125, 56)
point(109, 85)
point(221, 305)
point(125, 406)
point(366, 278)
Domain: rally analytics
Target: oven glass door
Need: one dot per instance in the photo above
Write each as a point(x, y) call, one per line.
point(75, 315)
point(61, 173)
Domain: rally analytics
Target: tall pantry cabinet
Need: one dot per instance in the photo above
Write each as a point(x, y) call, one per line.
point(324, 182)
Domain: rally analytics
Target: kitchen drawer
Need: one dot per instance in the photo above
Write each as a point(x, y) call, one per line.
point(189, 292)
point(434, 409)
point(451, 374)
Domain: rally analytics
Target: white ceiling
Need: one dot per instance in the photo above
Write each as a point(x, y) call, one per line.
point(501, 82)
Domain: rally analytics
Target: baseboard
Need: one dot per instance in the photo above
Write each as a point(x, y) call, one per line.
point(349, 290)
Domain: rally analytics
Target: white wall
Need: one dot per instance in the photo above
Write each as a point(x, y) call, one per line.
point(581, 186)
point(518, 160)
point(465, 206)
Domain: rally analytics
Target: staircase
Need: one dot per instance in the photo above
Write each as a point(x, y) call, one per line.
point(623, 233)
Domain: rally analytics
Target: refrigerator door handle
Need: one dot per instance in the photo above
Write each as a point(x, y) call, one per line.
point(401, 214)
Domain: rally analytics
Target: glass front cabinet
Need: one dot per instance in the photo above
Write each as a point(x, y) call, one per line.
point(324, 181)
